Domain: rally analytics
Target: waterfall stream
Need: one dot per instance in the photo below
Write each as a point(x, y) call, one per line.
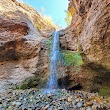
point(54, 63)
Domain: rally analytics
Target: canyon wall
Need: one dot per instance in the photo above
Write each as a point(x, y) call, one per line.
point(89, 33)
point(20, 42)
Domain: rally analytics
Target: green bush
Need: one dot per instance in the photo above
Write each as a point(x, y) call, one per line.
point(104, 91)
point(71, 59)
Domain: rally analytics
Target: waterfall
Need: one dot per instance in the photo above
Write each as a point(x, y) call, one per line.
point(54, 63)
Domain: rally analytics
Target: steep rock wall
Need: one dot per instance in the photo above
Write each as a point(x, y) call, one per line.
point(90, 30)
point(20, 42)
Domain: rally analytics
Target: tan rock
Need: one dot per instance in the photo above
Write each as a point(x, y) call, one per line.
point(97, 99)
point(20, 42)
point(89, 103)
point(92, 97)
point(69, 99)
point(89, 33)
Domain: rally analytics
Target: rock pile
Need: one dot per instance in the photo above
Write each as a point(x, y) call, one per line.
point(36, 99)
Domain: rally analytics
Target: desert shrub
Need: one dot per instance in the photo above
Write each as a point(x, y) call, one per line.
point(49, 21)
point(45, 21)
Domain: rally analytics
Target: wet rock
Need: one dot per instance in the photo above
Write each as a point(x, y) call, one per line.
point(1, 106)
point(79, 104)
point(74, 107)
point(77, 100)
point(46, 107)
point(10, 108)
point(16, 103)
point(49, 95)
point(88, 108)
point(5, 105)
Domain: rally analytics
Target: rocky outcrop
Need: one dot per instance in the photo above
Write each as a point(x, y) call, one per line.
point(20, 42)
point(90, 30)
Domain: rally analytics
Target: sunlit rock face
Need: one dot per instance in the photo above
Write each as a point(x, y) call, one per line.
point(90, 31)
point(20, 42)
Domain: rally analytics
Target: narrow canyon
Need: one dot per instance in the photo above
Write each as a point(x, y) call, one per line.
point(25, 42)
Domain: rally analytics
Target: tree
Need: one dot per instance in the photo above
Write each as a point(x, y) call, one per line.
point(68, 18)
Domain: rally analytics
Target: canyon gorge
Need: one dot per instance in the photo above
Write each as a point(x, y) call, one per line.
point(36, 56)
point(24, 54)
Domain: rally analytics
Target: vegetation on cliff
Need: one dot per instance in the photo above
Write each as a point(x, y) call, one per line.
point(104, 91)
point(68, 18)
point(69, 15)
point(49, 21)
point(72, 59)
point(48, 43)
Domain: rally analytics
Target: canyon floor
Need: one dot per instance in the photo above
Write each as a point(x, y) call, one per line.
point(61, 99)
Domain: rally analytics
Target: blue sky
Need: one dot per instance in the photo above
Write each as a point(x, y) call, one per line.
point(54, 8)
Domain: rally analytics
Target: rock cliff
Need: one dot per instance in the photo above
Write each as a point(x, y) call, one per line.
point(20, 41)
point(90, 31)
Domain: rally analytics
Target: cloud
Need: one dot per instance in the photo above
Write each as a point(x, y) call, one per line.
point(20, 0)
point(42, 10)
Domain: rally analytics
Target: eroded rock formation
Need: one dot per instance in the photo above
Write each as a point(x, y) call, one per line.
point(90, 30)
point(20, 41)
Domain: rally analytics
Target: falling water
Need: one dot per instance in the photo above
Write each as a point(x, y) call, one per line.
point(54, 61)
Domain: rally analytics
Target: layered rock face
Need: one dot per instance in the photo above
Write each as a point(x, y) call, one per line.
point(20, 42)
point(90, 30)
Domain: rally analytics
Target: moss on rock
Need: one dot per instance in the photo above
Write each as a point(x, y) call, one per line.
point(35, 81)
point(104, 91)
